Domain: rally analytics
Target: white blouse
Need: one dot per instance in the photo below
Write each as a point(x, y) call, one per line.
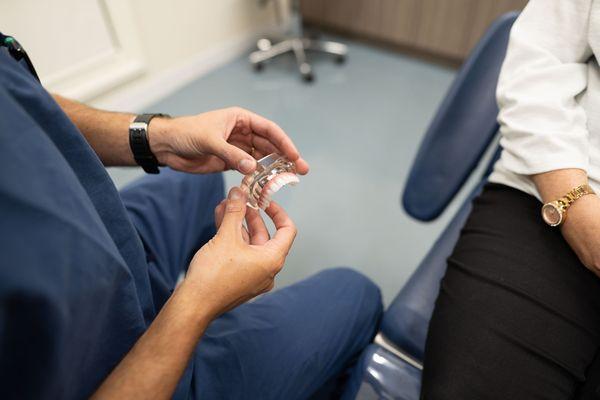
point(549, 93)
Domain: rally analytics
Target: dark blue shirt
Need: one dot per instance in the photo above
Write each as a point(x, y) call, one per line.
point(75, 292)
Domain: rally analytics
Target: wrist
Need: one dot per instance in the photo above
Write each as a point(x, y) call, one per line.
point(159, 137)
point(581, 211)
point(198, 300)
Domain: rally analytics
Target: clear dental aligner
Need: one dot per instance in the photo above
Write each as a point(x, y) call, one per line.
point(272, 173)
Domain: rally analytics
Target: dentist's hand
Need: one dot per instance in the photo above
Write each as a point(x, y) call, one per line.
point(231, 138)
point(233, 267)
point(238, 263)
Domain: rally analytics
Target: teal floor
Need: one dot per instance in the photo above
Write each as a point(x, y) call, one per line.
point(359, 126)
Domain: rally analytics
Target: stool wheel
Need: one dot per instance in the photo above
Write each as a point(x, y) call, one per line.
point(340, 59)
point(308, 77)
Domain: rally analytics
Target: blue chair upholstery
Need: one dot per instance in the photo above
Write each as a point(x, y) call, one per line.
point(386, 377)
point(449, 153)
point(461, 132)
point(406, 321)
point(462, 129)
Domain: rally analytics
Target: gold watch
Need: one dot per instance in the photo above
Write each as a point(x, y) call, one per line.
point(555, 212)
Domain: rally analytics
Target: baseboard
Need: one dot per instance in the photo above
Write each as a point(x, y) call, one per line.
point(137, 96)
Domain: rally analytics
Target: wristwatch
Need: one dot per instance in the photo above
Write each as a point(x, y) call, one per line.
point(139, 144)
point(554, 213)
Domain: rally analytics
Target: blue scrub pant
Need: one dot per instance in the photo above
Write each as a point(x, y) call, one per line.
point(288, 344)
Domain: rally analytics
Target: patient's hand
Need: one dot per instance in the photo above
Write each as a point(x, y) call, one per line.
point(238, 263)
point(230, 138)
point(581, 229)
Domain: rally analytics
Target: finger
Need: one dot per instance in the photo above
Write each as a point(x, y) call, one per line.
point(233, 156)
point(278, 138)
point(235, 210)
point(259, 154)
point(263, 146)
point(198, 165)
point(219, 214)
point(286, 230)
point(247, 147)
point(273, 133)
point(212, 164)
point(240, 136)
point(259, 234)
point(245, 235)
point(302, 166)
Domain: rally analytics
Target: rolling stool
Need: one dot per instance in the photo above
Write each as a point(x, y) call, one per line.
point(296, 43)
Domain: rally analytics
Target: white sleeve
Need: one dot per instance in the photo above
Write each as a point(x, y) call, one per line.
point(543, 126)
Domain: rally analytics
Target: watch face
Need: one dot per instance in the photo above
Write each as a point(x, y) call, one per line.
point(551, 214)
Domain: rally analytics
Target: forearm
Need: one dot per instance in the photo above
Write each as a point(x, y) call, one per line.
point(205, 143)
point(154, 366)
point(108, 132)
point(555, 184)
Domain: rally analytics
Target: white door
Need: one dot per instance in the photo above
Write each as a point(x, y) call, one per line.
point(80, 48)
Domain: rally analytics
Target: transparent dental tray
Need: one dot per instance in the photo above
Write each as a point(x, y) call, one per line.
point(272, 173)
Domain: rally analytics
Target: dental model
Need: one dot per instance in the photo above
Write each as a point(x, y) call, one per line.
point(272, 173)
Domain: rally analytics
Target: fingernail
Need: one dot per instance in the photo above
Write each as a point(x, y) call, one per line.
point(235, 194)
point(247, 165)
point(307, 166)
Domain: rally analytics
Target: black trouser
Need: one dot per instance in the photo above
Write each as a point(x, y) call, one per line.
point(518, 315)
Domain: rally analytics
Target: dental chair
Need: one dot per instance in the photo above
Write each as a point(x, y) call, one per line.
point(462, 131)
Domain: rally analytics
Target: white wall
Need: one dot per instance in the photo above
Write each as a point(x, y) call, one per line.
point(128, 53)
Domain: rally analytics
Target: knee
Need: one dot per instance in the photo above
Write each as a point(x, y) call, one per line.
point(362, 292)
point(352, 278)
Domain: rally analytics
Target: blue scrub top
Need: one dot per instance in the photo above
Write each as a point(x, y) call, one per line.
point(75, 292)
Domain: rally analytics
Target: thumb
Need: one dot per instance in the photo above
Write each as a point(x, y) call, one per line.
point(235, 157)
point(235, 210)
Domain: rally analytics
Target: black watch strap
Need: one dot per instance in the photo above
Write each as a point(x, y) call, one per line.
point(139, 144)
